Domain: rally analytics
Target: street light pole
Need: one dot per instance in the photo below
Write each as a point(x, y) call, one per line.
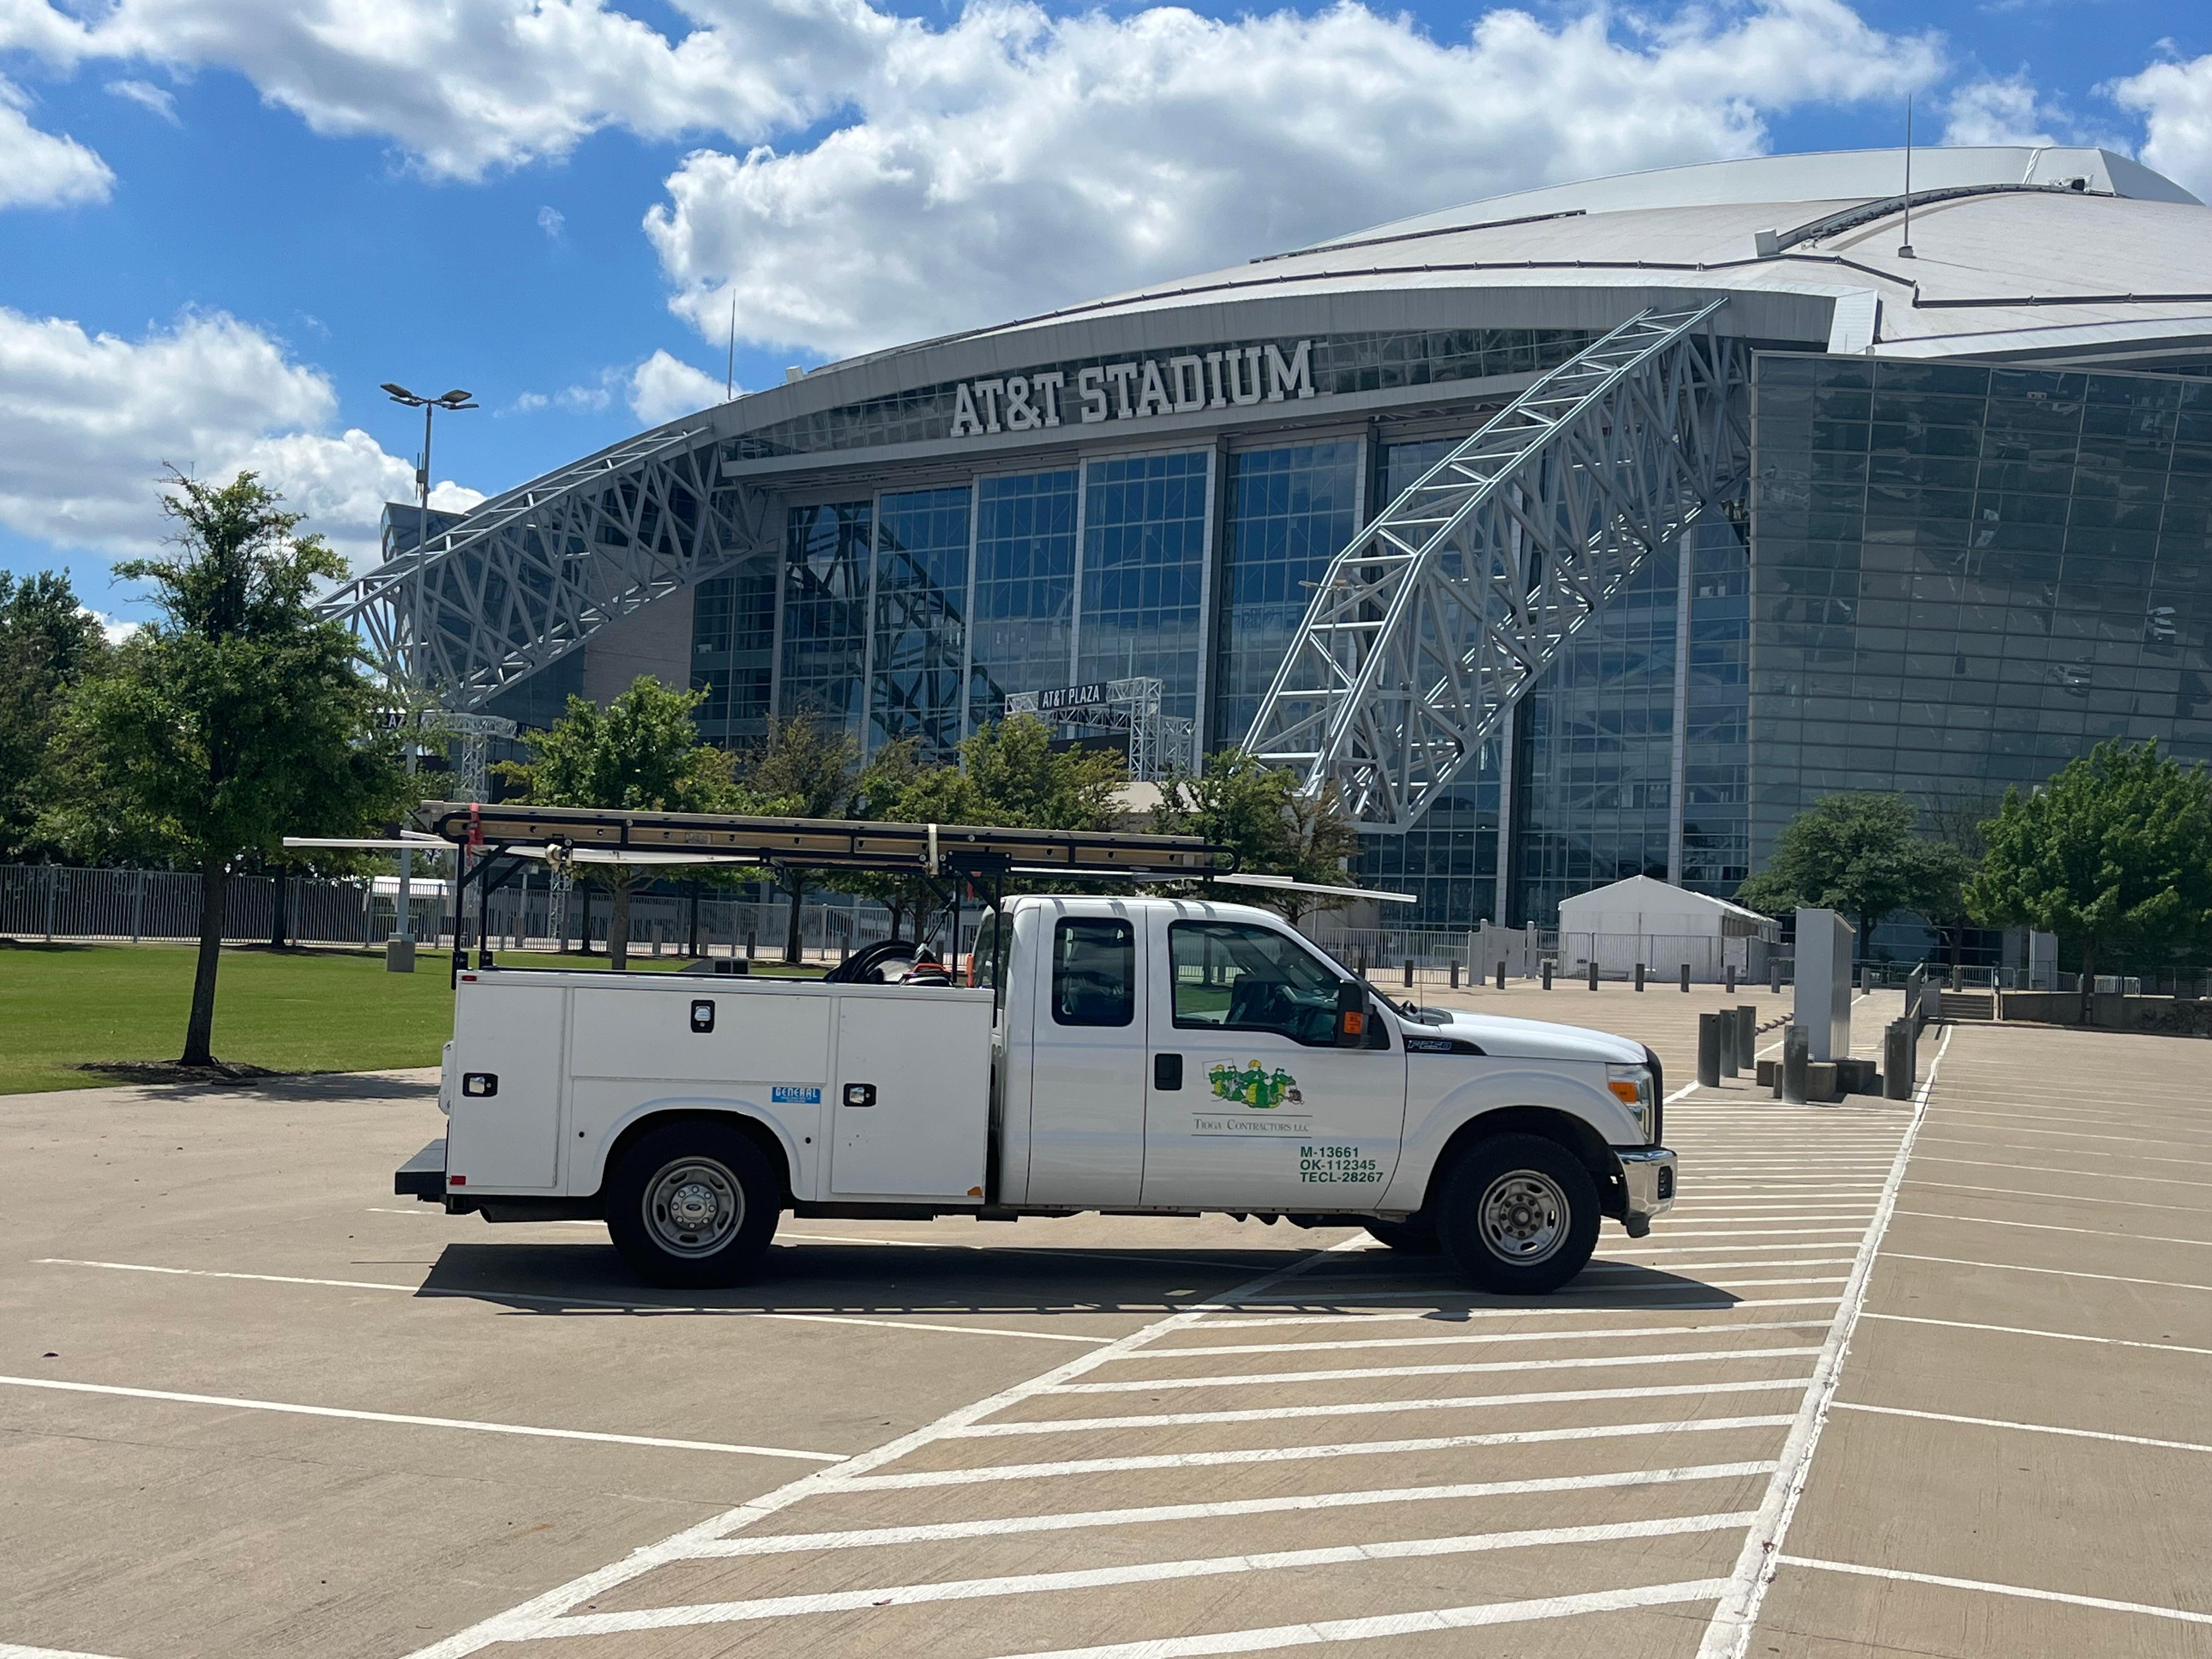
point(399, 950)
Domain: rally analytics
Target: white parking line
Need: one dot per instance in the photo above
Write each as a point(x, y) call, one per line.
point(1987, 1588)
point(1427, 1622)
point(1081, 1466)
point(577, 1301)
point(2022, 1330)
point(1456, 1315)
point(2062, 1272)
point(2078, 1134)
point(17, 1651)
point(1440, 1292)
point(2057, 1169)
point(1147, 1573)
point(235, 1404)
point(1158, 1514)
point(1360, 1408)
point(2086, 1151)
point(2025, 1428)
point(1728, 1634)
point(537, 1615)
point(1606, 1333)
point(2053, 1227)
point(2069, 1198)
point(1354, 1374)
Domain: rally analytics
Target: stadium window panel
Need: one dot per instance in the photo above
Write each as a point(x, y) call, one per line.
point(827, 555)
point(1020, 636)
point(920, 619)
point(1143, 548)
point(1290, 511)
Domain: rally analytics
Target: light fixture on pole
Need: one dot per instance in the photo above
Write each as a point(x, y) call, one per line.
point(399, 950)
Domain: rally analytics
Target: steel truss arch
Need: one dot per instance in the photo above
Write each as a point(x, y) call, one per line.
point(521, 579)
point(1441, 614)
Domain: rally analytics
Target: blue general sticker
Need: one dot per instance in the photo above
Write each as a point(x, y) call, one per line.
point(794, 1094)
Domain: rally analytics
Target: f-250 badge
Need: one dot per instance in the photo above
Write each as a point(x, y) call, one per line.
point(1255, 1087)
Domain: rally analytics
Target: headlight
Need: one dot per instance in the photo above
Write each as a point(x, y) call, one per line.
point(1631, 1086)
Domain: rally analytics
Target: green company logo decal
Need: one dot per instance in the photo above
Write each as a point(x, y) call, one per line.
point(1255, 1087)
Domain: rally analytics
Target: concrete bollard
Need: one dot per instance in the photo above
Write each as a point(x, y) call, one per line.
point(1726, 1021)
point(1593, 976)
point(1897, 1059)
point(1409, 973)
point(1685, 979)
point(1796, 1060)
point(752, 946)
point(1708, 1051)
point(1774, 979)
point(1731, 979)
point(1547, 973)
point(1746, 1033)
point(1639, 975)
point(1501, 975)
point(1455, 976)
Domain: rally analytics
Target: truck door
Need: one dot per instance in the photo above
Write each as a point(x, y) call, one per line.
point(1250, 1103)
point(1087, 1089)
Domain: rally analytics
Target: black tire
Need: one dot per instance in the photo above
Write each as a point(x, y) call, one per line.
point(1407, 1237)
point(709, 1175)
point(1542, 1214)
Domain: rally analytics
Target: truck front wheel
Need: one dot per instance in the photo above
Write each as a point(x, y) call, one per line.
point(1518, 1214)
point(693, 1205)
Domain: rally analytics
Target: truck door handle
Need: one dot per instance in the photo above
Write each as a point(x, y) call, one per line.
point(1167, 1072)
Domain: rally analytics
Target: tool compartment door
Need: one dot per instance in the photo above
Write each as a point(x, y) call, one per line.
point(508, 1039)
point(912, 1104)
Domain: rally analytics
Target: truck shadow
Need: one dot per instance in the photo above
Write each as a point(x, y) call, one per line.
point(864, 1280)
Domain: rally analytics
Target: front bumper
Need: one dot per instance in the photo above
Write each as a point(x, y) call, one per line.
point(1648, 1174)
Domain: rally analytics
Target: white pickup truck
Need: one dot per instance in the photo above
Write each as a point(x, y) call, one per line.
point(1134, 1056)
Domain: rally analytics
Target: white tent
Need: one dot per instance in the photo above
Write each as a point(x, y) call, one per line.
point(1662, 926)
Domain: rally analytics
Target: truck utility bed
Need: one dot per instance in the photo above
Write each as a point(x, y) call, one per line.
point(873, 1092)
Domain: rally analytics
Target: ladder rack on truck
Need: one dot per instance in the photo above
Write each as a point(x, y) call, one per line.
point(1119, 1053)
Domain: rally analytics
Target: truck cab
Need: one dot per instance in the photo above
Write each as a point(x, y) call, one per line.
point(1131, 1055)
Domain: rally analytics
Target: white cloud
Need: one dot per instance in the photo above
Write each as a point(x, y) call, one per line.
point(552, 222)
point(91, 421)
point(2175, 100)
point(113, 630)
point(662, 388)
point(146, 94)
point(2006, 111)
point(466, 89)
point(44, 169)
point(1013, 160)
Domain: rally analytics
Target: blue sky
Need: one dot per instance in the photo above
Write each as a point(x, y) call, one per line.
point(222, 223)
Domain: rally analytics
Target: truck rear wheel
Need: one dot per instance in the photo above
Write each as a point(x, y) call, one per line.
point(693, 1205)
point(1518, 1215)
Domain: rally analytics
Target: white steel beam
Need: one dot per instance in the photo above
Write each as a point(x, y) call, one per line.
point(1442, 613)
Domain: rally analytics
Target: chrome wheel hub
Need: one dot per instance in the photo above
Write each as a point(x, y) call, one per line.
point(1524, 1217)
point(693, 1206)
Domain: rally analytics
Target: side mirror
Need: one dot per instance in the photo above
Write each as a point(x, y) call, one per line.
point(1351, 1014)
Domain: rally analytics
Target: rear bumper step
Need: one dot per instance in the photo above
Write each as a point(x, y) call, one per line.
point(423, 1175)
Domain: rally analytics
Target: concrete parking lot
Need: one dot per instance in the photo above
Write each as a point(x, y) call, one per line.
point(1925, 1377)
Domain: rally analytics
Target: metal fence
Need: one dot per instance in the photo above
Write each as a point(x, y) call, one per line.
point(54, 902)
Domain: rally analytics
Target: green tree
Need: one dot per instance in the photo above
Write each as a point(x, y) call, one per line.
point(1858, 854)
point(1239, 802)
point(236, 718)
point(800, 769)
point(1014, 777)
point(641, 752)
point(48, 644)
point(2114, 852)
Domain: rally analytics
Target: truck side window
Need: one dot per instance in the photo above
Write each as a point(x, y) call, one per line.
point(1094, 972)
point(1233, 976)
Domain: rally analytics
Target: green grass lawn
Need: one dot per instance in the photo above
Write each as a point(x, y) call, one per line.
point(62, 1006)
